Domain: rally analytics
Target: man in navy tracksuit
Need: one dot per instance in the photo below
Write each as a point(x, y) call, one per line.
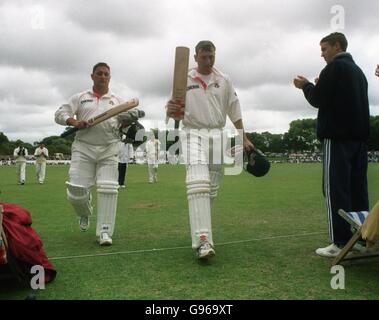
point(340, 94)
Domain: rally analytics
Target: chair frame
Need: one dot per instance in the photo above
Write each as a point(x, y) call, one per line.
point(350, 244)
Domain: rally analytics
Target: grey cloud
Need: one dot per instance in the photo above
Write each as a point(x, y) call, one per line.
point(123, 18)
point(262, 45)
point(20, 86)
point(295, 15)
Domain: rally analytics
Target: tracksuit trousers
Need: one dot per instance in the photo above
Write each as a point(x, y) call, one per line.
point(344, 184)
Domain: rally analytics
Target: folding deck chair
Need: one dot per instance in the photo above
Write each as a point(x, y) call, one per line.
point(356, 220)
point(4, 266)
point(3, 240)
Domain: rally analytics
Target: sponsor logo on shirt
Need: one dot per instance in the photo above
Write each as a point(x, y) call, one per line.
point(85, 101)
point(195, 86)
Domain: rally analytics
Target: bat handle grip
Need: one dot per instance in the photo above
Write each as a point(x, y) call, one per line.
point(69, 132)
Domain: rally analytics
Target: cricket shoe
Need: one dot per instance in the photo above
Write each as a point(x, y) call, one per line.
point(105, 239)
point(84, 223)
point(330, 251)
point(205, 250)
point(333, 250)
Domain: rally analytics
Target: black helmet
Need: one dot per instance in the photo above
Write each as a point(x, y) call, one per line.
point(256, 163)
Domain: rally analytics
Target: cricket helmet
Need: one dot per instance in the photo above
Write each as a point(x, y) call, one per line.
point(256, 163)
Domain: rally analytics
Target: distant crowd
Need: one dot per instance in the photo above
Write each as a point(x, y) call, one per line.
point(140, 158)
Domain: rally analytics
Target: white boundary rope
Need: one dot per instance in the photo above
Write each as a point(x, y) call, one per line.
point(185, 247)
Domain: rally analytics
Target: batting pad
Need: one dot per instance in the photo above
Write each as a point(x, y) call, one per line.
point(198, 190)
point(107, 192)
point(215, 178)
point(80, 199)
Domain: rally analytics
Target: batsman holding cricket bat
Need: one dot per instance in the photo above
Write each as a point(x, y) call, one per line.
point(94, 158)
point(210, 98)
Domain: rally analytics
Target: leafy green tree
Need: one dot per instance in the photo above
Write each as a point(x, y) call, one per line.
point(3, 138)
point(301, 136)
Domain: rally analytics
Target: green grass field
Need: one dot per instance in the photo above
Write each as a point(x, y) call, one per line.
point(265, 232)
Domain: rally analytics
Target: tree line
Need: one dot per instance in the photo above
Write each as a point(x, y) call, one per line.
point(300, 137)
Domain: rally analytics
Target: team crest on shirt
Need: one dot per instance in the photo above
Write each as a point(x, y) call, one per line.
point(111, 103)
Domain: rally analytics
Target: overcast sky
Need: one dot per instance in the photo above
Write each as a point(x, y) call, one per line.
point(48, 48)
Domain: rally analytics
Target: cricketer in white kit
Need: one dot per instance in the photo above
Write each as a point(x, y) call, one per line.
point(94, 158)
point(41, 154)
point(153, 147)
point(20, 154)
point(126, 152)
point(210, 99)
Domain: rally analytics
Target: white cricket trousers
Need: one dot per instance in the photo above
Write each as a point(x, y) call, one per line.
point(41, 171)
point(20, 171)
point(98, 165)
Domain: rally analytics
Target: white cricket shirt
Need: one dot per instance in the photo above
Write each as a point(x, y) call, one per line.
point(208, 104)
point(86, 105)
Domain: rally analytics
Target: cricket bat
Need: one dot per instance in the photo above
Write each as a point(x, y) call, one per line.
point(179, 87)
point(106, 115)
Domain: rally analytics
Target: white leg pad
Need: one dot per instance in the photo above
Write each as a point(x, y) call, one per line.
point(107, 192)
point(198, 189)
point(155, 173)
point(80, 199)
point(151, 172)
point(215, 178)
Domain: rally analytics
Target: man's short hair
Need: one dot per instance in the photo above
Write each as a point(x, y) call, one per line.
point(100, 64)
point(335, 37)
point(204, 45)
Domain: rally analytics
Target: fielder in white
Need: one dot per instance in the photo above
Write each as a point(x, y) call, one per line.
point(153, 147)
point(210, 99)
point(41, 154)
point(94, 158)
point(126, 152)
point(20, 154)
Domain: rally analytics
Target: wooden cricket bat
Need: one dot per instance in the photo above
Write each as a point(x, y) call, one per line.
point(106, 115)
point(179, 87)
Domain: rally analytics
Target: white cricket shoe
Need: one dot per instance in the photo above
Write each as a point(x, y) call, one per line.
point(205, 250)
point(84, 223)
point(330, 251)
point(333, 250)
point(105, 239)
